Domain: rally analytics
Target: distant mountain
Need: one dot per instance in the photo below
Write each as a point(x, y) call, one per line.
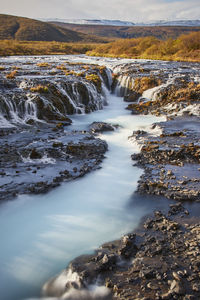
point(113, 32)
point(92, 22)
point(104, 22)
point(171, 23)
point(25, 29)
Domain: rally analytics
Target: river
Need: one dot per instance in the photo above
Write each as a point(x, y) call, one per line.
point(41, 234)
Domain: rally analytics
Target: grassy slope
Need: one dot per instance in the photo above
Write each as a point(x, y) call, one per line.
point(13, 47)
point(186, 47)
point(24, 29)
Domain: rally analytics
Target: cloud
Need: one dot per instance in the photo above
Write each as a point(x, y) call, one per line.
point(133, 10)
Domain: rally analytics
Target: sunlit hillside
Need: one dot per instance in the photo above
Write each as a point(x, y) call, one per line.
point(185, 47)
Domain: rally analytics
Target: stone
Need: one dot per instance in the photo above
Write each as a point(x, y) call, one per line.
point(132, 97)
point(96, 127)
point(35, 154)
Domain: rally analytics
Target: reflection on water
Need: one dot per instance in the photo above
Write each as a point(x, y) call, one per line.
point(41, 234)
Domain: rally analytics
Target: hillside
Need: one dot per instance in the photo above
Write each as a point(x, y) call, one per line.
point(160, 32)
point(186, 48)
point(25, 29)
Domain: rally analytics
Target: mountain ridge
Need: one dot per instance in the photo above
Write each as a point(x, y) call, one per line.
point(125, 23)
point(26, 29)
point(115, 32)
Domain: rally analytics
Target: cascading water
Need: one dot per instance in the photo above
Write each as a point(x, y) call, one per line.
point(151, 94)
point(30, 98)
point(125, 83)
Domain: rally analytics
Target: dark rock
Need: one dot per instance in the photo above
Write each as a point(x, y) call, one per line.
point(100, 127)
point(35, 155)
point(132, 97)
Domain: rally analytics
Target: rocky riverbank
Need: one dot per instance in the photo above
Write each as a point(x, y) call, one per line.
point(158, 261)
point(36, 160)
point(171, 161)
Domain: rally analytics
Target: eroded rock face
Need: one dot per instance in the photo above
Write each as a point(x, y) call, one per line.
point(50, 92)
point(177, 98)
point(144, 83)
point(132, 97)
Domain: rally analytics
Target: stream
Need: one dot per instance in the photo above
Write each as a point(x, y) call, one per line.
point(41, 234)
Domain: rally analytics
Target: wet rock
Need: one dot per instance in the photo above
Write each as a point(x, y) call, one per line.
point(177, 288)
point(53, 151)
point(128, 247)
point(176, 209)
point(108, 261)
point(35, 154)
point(161, 267)
point(101, 127)
point(132, 97)
point(87, 150)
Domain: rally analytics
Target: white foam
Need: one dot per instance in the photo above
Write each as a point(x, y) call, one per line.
point(44, 160)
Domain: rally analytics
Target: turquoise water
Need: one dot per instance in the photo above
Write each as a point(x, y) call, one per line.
point(41, 234)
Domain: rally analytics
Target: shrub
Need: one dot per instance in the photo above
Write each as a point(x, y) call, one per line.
point(144, 83)
point(71, 73)
point(61, 67)
point(43, 65)
point(11, 75)
point(39, 89)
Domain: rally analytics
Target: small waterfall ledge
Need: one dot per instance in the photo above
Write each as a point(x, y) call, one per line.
point(46, 93)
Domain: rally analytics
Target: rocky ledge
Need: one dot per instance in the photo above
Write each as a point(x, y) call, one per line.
point(171, 161)
point(34, 160)
point(179, 97)
point(160, 260)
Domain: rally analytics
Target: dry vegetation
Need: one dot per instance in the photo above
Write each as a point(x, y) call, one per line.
point(11, 75)
point(186, 47)
point(12, 47)
point(94, 78)
point(144, 83)
point(39, 89)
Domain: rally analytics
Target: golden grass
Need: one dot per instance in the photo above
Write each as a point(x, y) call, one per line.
point(184, 48)
point(43, 65)
point(13, 47)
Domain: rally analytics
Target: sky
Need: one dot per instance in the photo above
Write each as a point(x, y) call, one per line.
point(129, 10)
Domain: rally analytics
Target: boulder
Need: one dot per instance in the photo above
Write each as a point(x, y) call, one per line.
point(132, 97)
point(101, 127)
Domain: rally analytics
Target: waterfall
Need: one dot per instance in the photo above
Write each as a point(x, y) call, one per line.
point(30, 109)
point(151, 94)
point(125, 83)
point(63, 96)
